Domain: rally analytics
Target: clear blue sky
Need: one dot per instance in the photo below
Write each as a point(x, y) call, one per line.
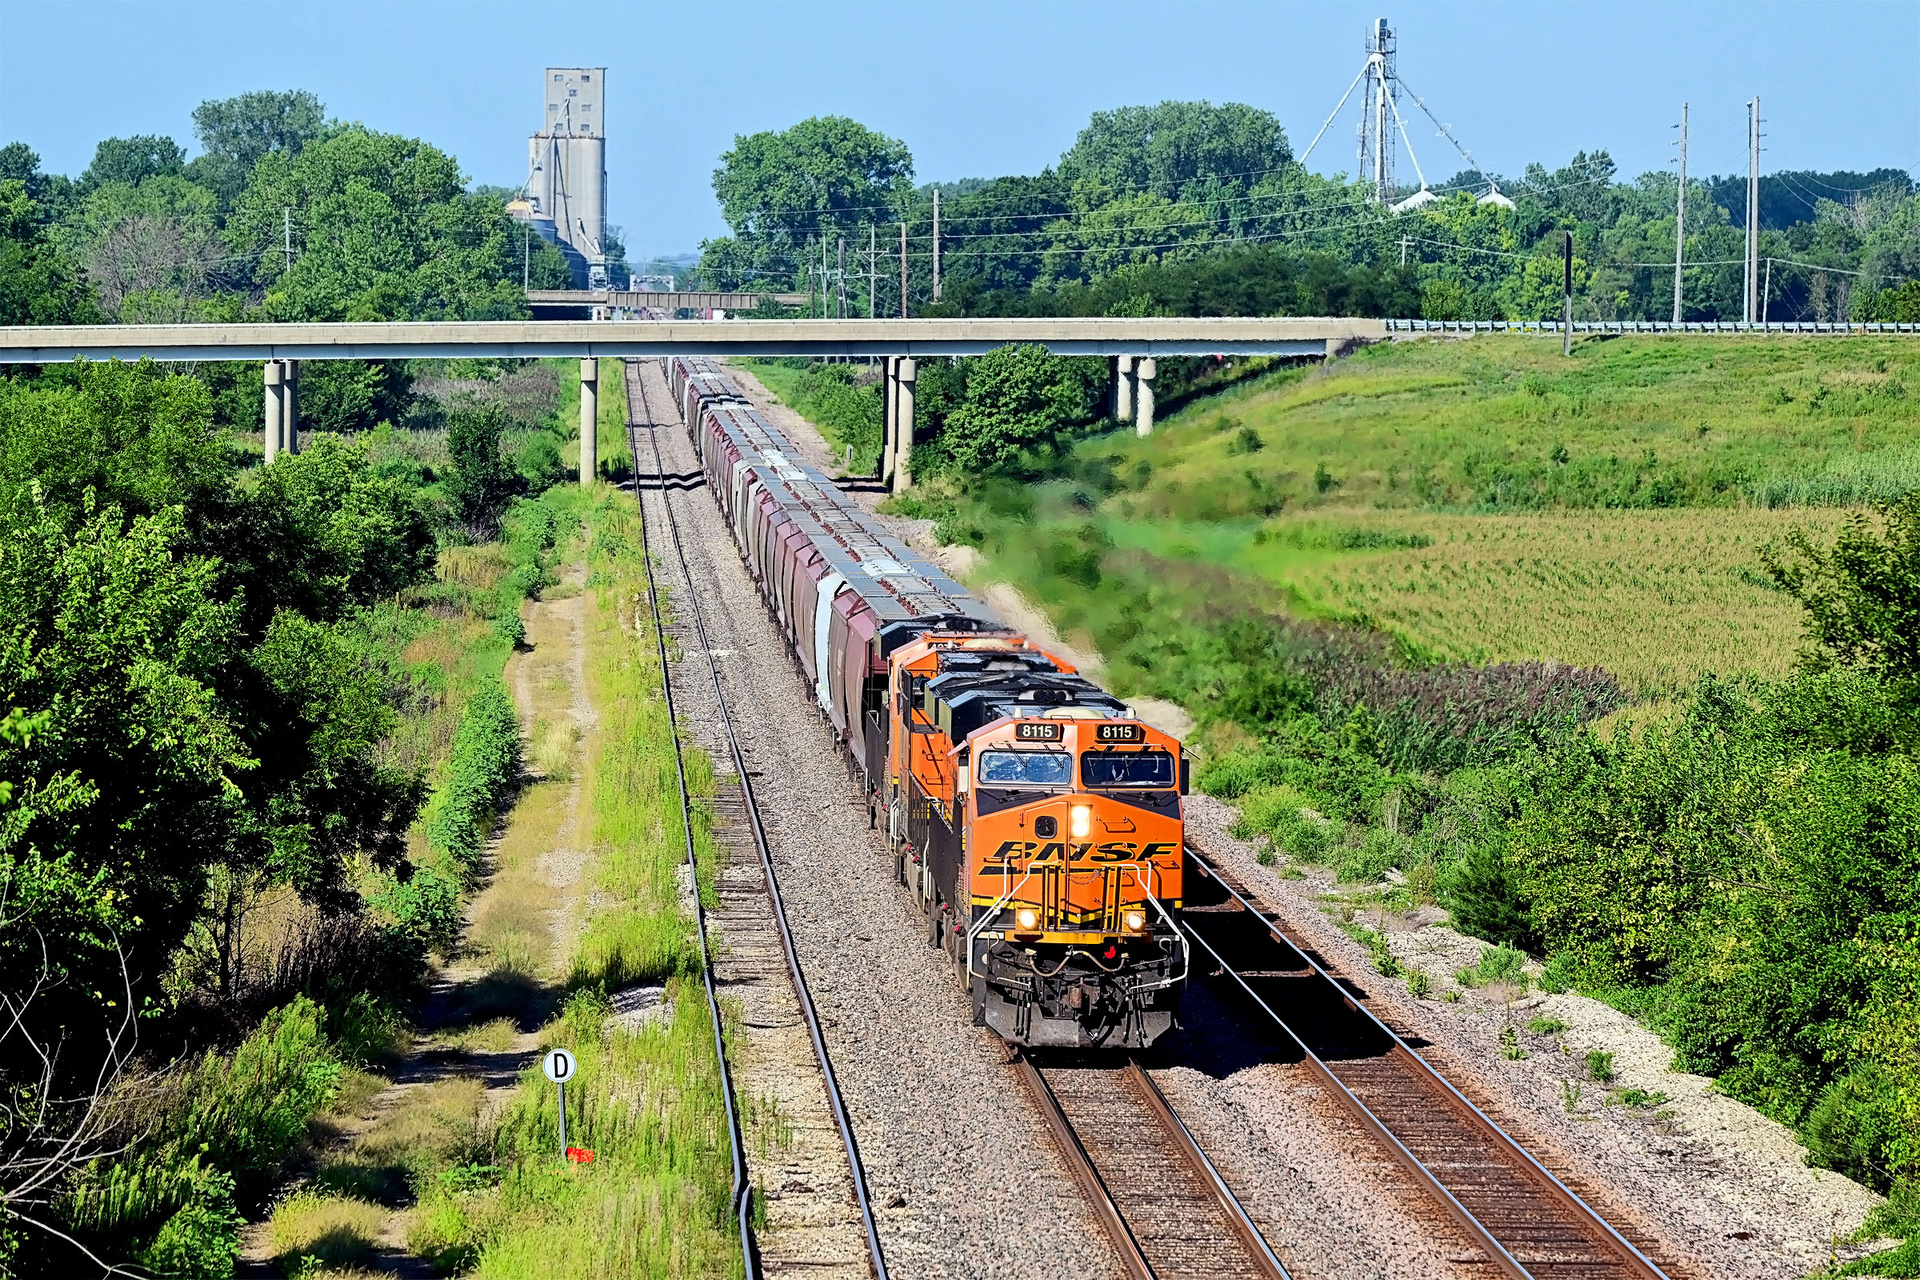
point(980, 88)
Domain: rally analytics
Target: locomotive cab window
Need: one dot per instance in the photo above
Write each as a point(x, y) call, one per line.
point(1024, 769)
point(1127, 769)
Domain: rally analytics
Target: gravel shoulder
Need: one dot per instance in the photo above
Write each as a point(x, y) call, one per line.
point(1722, 1187)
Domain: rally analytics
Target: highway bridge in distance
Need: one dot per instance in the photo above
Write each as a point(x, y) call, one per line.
point(1291, 336)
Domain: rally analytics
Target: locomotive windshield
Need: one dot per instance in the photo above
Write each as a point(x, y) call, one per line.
point(1127, 769)
point(1025, 769)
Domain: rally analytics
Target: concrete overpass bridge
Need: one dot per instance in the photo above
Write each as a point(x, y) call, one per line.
point(1133, 343)
point(1293, 336)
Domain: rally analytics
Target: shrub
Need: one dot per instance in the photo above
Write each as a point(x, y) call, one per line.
point(1600, 1066)
point(201, 1240)
point(221, 1133)
point(1496, 964)
point(483, 769)
point(1484, 898)
point(1368, 861)
point(1419, 984)
point(426, 908)
point(1852, 1125)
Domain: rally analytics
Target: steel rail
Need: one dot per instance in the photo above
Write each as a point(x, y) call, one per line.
point(1081, 1165)
point(1630, 1257)
point(742, 1192)
point(795, 969)
point(1229, 1203)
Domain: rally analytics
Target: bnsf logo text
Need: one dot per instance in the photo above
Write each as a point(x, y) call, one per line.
point(1057, 851)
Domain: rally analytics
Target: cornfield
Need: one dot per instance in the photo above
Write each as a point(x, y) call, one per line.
point(1656, 597)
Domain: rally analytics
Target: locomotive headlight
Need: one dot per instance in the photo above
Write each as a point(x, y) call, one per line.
point(1027, 918)
point(1134, 920)
point(1080, 821)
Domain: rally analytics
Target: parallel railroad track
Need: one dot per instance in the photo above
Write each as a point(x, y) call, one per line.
point(740, 805)
point(1528, 1222)
point(1164, 1206)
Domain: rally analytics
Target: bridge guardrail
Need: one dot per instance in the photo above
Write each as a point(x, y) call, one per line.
point(1549, 328)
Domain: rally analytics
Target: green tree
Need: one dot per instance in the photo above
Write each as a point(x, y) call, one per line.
point(235, 132)
point(1019, 398)
point(1169, 148)
point(36, 284)
point(825, 175)
point(354, 395)
point(50, 192)
point(383, 230)
point(133, 160)
point(482, 481)
point(331, 535)
point(151, 252)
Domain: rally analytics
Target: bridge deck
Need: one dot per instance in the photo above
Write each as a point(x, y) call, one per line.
point(54, 344)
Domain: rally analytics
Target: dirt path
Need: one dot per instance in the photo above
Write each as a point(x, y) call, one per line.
point(478, 1028)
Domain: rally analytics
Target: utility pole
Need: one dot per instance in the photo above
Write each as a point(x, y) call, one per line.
point(1680, 218)
point(1753, 209)
point(936, 244)
point(526, 256)
point(873, 266)
point(840, 278)
point(286, 223)
point(1403, 251)
point(1766, 294)
point(823, 274)
point(1566, 331)
point(903, 271)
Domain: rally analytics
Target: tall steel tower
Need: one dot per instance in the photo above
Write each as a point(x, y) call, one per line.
point(1381, 113)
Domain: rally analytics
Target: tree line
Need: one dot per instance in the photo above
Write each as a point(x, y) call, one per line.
point(1146, 198)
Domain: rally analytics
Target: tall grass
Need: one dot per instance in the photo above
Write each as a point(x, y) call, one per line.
point(210, 1138)
point(654, 1202)
point(1846, 480)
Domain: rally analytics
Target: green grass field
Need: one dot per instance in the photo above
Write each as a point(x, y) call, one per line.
point(1507, 423)
point(1491, 500)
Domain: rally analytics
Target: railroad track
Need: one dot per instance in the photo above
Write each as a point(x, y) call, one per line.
point(737, 810)
point(1167, 1210)
point(1528, 1222)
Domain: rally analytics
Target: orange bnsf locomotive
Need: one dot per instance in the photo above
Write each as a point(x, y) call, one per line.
point(1037, 822)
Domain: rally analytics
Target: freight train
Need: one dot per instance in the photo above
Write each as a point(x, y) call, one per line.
point(1036, 821)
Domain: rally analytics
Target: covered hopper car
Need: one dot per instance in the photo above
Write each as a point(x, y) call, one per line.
point(1037, 822)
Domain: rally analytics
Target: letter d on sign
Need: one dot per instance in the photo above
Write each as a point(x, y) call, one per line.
point(559, 1067)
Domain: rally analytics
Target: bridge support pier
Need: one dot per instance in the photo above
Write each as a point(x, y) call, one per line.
point(1143, 407)
point(273, 408)
point(903, 428)
point(290, 405)
point(1122, 388)
point(589, 418)
point(889, 417)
